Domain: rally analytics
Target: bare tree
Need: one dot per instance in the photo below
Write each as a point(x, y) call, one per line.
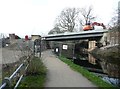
point(114, 20)
point(67, 19)
point(55, 30)
point(70, 19)
point(87, 15)
point(51, 31)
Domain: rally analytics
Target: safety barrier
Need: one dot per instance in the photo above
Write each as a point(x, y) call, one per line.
point(18, 73)
point(7, 81)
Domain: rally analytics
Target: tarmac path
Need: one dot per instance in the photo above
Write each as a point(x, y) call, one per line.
point(60, 75)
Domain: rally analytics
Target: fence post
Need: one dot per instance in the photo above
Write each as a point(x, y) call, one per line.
point(37, 47)
point(7, 81)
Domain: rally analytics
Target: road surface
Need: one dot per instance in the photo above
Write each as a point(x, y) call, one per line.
point(60, 75)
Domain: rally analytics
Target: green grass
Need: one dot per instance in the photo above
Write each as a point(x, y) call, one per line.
point(35, 81)
point(90, 76)
point(35, 74)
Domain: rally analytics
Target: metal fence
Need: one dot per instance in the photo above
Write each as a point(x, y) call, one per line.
point(16, 75)
point(13, 54)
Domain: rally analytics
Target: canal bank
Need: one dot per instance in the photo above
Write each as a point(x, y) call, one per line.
point(109, 59)
point(89, 75)
point(107, 53)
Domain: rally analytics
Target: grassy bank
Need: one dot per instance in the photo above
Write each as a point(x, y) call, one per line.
point(35, 74)
point(33, 81)
point(90, 76)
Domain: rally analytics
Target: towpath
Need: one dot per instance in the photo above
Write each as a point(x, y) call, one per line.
point(61, 75)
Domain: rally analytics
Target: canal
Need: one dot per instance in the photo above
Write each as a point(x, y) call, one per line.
point(109, 71)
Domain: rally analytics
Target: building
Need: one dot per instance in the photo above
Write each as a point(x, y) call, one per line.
point(113, 37)
point(12, 38)
point(34, 37)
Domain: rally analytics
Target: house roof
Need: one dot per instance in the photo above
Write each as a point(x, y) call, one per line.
point(36, 35)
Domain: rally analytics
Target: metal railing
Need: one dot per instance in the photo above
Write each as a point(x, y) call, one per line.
point(7, 81)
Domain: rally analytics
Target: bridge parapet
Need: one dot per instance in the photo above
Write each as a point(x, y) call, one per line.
point(94, 34)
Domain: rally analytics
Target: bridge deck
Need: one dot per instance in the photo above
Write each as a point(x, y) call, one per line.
point(79, 35)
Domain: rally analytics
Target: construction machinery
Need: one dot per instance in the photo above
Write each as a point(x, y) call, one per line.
point(90, 26)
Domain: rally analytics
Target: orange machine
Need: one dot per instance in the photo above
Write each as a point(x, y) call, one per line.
point(91, 26)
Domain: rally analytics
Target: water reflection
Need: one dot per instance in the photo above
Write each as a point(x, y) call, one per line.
point(91, 59)
point(108, 71)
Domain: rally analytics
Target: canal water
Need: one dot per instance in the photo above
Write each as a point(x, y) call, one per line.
point(107, 70)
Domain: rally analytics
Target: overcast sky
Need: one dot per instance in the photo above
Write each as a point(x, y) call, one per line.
point(26, 17)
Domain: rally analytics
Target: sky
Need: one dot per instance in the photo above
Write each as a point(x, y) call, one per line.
point(27, 17)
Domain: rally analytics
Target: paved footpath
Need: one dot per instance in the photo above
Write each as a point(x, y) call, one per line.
point(60, 75)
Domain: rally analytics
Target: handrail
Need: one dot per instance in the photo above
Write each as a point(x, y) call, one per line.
point(18, 82)
point(16, 71)
point(7, 80)
point(3, 85)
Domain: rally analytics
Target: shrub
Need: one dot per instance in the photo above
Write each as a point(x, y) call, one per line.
point(35, 75)
point(35, 67)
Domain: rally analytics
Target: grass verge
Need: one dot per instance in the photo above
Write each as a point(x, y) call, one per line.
point(33, 81)
point(35, 74)
point(90, 76)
